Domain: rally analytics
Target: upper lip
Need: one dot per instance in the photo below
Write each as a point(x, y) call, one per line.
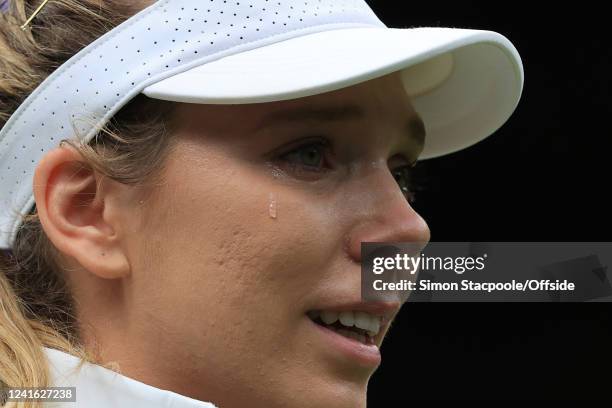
point(384, 309)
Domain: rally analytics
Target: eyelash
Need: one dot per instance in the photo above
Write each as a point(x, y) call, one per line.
point(325, 144)
point(409, 189)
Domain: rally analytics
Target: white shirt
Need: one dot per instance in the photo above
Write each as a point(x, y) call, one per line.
point(99, 387)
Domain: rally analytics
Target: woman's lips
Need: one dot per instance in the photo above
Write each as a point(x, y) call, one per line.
point(349, 348)
point(352, 329)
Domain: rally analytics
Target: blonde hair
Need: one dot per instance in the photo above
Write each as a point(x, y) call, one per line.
point(36, 309)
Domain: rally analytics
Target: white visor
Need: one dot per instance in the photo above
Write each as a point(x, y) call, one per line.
point(464, 83)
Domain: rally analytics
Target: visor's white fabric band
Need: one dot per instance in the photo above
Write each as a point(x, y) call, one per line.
point(166, 38)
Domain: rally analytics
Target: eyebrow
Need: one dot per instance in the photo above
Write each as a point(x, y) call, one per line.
point(415, 127)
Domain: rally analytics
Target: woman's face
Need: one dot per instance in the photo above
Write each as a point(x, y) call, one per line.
point(256, 228)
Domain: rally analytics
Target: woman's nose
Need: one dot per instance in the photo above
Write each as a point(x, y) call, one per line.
point(384, 215)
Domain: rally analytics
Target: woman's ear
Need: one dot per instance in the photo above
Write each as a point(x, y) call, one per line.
point(76, 208)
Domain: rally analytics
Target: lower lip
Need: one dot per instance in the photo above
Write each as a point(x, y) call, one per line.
point(363, 354)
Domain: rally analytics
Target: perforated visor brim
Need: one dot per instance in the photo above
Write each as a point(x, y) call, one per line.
point(464, 83)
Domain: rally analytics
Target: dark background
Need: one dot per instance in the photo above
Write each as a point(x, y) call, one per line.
point(544, 176)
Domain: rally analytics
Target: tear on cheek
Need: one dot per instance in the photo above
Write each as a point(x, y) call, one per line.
point(272, 205)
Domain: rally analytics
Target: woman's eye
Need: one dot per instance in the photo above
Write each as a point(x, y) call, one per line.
point(310, 157)
point(404, 177)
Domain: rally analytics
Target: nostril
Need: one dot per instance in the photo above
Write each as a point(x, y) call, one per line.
point(400, 225)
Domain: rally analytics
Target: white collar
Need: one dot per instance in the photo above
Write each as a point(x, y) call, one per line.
point(98, 387)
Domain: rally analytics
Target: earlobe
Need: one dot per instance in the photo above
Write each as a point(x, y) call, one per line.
point(72, 204)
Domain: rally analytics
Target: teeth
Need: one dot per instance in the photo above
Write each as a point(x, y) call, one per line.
point(347, 319)
point(329, 317)
point(374, 326)
point(367, 322)
point(313, 314)
point(362, 320)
